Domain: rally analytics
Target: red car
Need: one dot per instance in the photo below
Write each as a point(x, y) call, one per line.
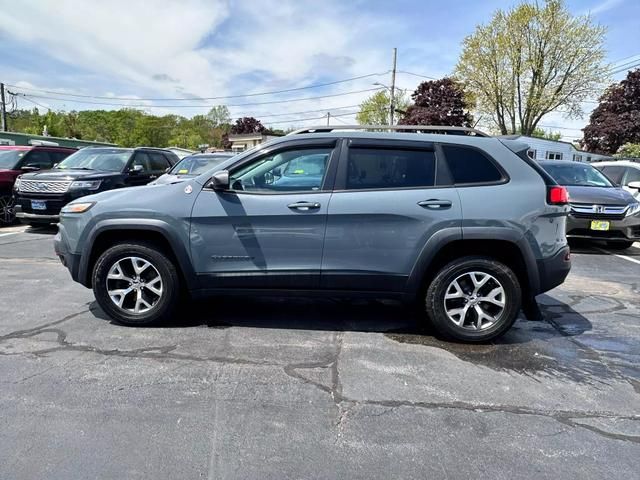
point(15, 160)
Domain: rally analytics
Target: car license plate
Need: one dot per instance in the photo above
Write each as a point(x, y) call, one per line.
point(599, 225)
point(39, 204)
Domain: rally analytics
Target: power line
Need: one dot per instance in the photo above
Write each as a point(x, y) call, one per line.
point(274, 92)
point(32, 101)
point(416, 75)
point(142, 105)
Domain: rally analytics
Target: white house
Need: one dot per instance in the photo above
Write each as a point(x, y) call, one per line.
point(544, 149)
point(245, 141)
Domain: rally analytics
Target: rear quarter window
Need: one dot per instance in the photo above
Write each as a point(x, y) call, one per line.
point(470, 166)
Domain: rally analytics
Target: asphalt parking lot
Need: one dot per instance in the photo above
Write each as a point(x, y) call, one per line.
point(275, 388)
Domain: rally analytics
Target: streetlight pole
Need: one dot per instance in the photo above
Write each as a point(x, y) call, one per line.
point(393, 86)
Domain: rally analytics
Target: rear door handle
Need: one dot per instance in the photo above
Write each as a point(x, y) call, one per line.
point(435, 204)
point(304, 206)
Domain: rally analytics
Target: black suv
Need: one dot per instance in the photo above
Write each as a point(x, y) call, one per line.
point(39, 196)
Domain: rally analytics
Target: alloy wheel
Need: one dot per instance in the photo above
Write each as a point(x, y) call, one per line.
point(474, 300)
point(7, 210)
point(134, 285)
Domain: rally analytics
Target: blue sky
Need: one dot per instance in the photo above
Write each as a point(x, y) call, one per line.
point(132, 50)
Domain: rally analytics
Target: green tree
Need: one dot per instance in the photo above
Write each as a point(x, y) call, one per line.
point(548, 135)
point(531, 60)
point(629, 150)
point(219, 115)
point(375, 109)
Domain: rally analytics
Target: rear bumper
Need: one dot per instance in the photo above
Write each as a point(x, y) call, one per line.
point(626, 229)
point(554, 270)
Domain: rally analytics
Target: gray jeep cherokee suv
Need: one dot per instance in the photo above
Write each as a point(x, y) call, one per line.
point(465, 224)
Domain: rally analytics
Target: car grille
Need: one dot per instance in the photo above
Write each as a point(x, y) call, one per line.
point(598, 212)
point(44, 186)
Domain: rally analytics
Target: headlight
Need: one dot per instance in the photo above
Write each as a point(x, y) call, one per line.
point(16, 185)
point(633, 209)
point(86, 184)
point(79, 207)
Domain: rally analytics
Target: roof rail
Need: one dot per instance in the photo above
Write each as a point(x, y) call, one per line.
point(442, 129)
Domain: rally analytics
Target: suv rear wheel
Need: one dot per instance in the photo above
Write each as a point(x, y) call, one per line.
point(136, 284)
point(473, 299)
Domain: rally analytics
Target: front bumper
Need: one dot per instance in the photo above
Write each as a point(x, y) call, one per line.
point(625, 229)
point(554, 270)
point(68, 259)
point(35, 217)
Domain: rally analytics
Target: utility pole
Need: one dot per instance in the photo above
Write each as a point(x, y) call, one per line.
point(393, 87)
point(328, 118)
point(3, 108)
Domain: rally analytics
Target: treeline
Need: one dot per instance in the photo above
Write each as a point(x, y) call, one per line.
point(130, 127)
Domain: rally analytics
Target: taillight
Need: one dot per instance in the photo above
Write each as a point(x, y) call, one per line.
point(557, 195)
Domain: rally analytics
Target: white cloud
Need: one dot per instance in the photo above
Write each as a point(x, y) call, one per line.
point(603, 6)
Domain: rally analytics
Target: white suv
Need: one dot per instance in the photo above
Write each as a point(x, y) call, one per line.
point(623, 173)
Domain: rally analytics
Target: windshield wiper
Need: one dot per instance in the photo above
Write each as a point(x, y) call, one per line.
point(74, 168)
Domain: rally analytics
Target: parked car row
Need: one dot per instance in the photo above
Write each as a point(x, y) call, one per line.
point(36, 182)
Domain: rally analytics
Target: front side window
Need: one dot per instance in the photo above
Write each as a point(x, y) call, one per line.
point(377, 168)
point(158, 162)
point(469, 166)
point(9, 158)
point(288, 171)
point(143, 160)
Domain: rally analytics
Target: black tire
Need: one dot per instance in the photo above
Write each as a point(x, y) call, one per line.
point(7, 213)
point(435, 298)
point(620, 245)
point(162, 309)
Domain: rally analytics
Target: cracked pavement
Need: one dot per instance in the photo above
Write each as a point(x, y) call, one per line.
point(294, 388)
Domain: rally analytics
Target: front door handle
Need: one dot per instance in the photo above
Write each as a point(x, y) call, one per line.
point(434, 203)
point(304, 206)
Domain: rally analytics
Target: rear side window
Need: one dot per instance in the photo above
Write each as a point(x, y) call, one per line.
point(615, 173)
point(390, 168)
point(468, 165)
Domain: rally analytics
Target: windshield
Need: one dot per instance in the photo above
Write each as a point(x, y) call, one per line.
point(9, 158)
point(112, 160)
point(578, 175)
point(197, 164)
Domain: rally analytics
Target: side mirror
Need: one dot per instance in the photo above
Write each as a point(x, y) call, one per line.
point(634, 185)
point(219, 181)
point(29, 168)
point(166, 170)
point(136, 169)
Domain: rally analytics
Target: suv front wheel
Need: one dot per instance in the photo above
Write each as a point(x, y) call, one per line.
point(136, 284)
point(473, 299)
